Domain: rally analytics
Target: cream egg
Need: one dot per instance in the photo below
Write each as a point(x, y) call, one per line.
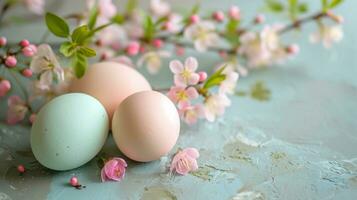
point(110, 83)
point(69, 131)
point(146, 126)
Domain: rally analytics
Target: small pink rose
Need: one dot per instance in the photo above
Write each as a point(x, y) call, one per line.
point(185, 161)
point(114, 169)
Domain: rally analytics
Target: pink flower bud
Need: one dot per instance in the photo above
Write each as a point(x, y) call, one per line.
point(27, 73)
point(194, 19)
point(21, 169)
point(259, 19)
point(234, 12)
point(32, 118)
point(3, 41)
point(24, 43)
point(157, 43)
point(142, 49)
point(29, 51)
point(180, 50)
point(218, 16)
point(74, 181)
point(293, 49)
point(203, 76)
point(133, 48)
point(167, 26)
point(10, 61)
point(5, 86)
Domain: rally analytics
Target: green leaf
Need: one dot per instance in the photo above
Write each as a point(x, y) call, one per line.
point(67, 49)
point(57, 25)
point(86, 51)
point(215, 79)
point(195, 9)
point(93, 17)
point(149, 28)
point(118, 19)
point(335, 3)
point(293, 9)
point(131, 5)
point(80, 34)
point(80, 64)
point(275, 6)
point(324, 5)
point(303, 8)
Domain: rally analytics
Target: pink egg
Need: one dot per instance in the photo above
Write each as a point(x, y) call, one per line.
point(146, 126)
point(110, 83)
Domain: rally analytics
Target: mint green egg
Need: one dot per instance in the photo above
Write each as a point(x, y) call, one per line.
point(69, 131)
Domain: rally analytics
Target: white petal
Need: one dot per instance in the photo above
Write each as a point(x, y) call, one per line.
point(191, 64)
point(176, 66)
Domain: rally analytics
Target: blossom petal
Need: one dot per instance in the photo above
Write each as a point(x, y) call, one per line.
point(194, 79)
point(191, 64)
point(176, 67)
point(193, 152)
point(192, 93)
point(179, 81)
point(46, 79)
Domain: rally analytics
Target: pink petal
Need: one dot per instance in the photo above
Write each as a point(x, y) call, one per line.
point(121, 162)
point(176, 66)
point(182, 167)
point(194, 165)
point(192, 93)
point(103, 175)
point(194, 78)
point(191, 64)
point(192, 152)
point(179, 81)
point(14, 100)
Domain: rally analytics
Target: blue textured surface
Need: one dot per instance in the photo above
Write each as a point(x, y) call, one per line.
point(300, 144)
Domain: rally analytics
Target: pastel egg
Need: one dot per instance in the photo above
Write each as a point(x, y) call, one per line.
point(146, 126)
point(69, 131)
point(110, 83)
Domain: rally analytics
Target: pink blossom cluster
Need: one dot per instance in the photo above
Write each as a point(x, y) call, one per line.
point(14, 59)
point(189, 86)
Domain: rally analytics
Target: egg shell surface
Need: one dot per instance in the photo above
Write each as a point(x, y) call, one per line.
point(69, 131)
point(146, 126)
point(110, 83)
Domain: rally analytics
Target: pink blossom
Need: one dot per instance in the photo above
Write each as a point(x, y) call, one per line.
point(185, 74)
point(179, 50)
point(185, 161)
point(182, 95)
point(260, 18)
point(10, 61)
point(27, 72)
point(203, 34)
point(327, 35)
point(17, 110)
point(160, 8)
point(218, 16)
point(157, 43)
point(114, 169)
point(203, 76)
point(194, 19)
point(29, 50)
point(35, 6)
point(234, 12)
point(153, 60)
point(133, 48)
point(215, 106)
point(229, 84)
point(3, 41)
point(24, 43)
point(106, 8)
point(191, 113)
point(293, 49)
point(174, 23)
point(5, 86)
